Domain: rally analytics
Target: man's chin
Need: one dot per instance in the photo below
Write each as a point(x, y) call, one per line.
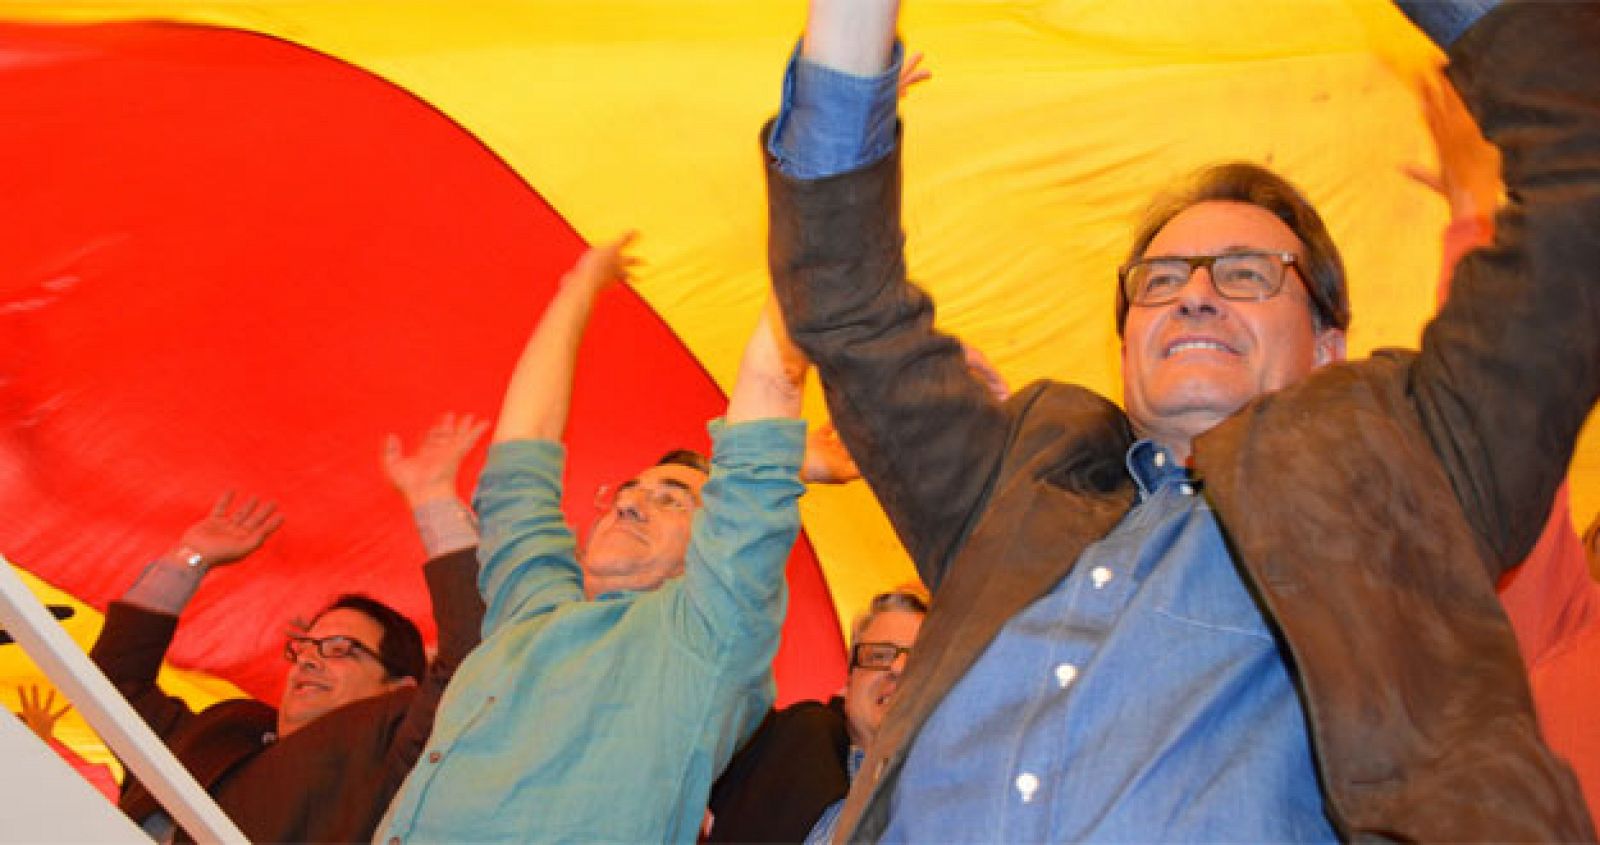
point(1191, 406)
point(610, 565)
point(295, 716)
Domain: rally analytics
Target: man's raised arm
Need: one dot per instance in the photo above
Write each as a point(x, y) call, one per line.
point(926, 435)
point(427, 479)
point(540, 393)
point(139, 626)
point(852, 36)
point(1511, 366)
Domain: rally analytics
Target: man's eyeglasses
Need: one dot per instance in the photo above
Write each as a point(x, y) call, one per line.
point(876, 655)
point(327, 647)
point(663, 498)
point(1239, 276)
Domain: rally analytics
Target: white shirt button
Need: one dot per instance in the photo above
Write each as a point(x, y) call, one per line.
point(1161, 459)
point(1027, 784)
point(1066, 673)
point(1186, 489)
point(1101, 576)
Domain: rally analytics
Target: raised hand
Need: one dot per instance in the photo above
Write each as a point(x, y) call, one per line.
point(911, 72)
point(978, 364)
point(430, 472)
point(827, 461)
point(604, 264)
point(1469, 166)
point(38, 712)
point(224, 537)
point(540, 393)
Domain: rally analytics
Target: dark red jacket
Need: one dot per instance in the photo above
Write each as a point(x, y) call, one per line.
point(329, 781)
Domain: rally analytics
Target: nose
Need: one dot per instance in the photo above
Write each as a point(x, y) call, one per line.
point(629, 509)
point(1199, 296)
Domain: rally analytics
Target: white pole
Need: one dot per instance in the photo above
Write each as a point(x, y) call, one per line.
point(31, 625)
point(47, 802)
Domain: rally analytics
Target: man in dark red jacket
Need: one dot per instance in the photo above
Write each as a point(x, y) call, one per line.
point(360, 697)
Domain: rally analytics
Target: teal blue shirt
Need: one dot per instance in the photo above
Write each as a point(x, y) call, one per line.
point(607, 720)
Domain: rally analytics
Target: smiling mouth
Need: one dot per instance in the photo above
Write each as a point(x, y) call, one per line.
point(1197, 346)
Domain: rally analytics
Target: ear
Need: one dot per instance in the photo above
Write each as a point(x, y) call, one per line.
point(1329, 347)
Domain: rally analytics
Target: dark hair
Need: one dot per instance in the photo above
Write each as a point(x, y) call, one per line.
point(687, 458)
point(1244, 182)
point(910, 598)
point(400, 651)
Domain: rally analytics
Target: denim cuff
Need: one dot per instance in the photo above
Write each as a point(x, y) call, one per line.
point(833, 122)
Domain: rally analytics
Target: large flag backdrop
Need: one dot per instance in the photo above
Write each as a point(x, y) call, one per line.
point(243, 240)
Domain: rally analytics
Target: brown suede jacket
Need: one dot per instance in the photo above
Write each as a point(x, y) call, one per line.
point(329, 781)
point(1370, 507)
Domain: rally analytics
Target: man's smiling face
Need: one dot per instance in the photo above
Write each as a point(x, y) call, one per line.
point(1190, 363)
point(318, 685)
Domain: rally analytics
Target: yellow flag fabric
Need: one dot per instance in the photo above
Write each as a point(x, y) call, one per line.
point(1045, 129)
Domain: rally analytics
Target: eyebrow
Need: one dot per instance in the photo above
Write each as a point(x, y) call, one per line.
point(673, 482)
point(1230, 249)
point(665, 482)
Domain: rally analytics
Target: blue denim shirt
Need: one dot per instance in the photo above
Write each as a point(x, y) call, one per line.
point(606, 720)
point(1143, 699)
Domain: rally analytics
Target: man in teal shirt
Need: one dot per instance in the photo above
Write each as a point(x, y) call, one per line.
point(613, 685)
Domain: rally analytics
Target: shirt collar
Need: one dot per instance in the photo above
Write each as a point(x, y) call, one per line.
point(1153, 467)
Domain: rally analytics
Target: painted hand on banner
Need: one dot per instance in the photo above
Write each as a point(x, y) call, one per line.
point(37, 709)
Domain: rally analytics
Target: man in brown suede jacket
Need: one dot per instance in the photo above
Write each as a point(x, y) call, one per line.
point(1258, 603)
point(360, 696)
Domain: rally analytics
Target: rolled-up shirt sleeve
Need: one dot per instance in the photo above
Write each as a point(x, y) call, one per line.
point(833, 122)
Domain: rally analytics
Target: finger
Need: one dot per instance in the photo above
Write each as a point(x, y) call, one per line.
point(267, 516)
point(253, 515)
point(272, 525)
point(65, 709)
point(221, 507)
point(246, 514)
point(1430, 179)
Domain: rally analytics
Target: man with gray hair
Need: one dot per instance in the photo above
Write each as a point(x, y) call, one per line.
point(789, 780)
